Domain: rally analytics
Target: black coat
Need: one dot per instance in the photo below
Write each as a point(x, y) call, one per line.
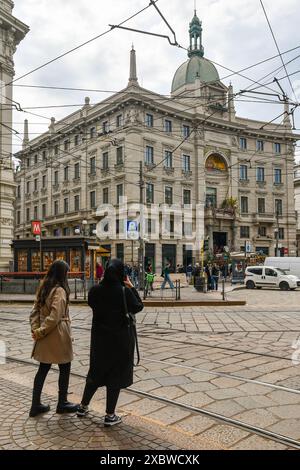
point(112, 343)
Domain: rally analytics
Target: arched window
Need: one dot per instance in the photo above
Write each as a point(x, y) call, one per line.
point(216, 163)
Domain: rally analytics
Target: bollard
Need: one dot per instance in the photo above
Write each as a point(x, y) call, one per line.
point(223, 288)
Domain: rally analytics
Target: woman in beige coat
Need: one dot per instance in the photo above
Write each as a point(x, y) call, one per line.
point(51, 331)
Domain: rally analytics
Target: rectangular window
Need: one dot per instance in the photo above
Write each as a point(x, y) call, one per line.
point(243, 172)
point(119, 120)
point(149, 193)
point(35, 184)
point(19, 191)
point(28, 187)
point(168, 195)
point(76, 140)
point(149, 155)
point(44, 181)
point(105, 127)
point(66, 231)
point(186, 131)
point(77, 202)
point(93, 199)
point(260, 145)
point(56, 149)
point(211, 197)
point(149, 120)
point(244, 205)
point(27, 214)
point(261, 206)
point(281, 233)
point(262, 231)
point(66, 145)
point(35, 212)
point(77, 171)
point(243, 143)
point(277, 147)
point(44, 211)
point(277, 176)
point(93, 165)
point(168, 162)
point(186, 196)
point(260, 174)
point(119, 192)
point(92, 132)
point(56, 178)
point(35, 159)
point(186, 163)
point(244, 231)
point(168, 125)
point(66, 173)
point(105, 161)
point(119, 155)
point(44, 155)
point(28, 162)
point(18, 217)
point(55, 207)
point(278, 206)
point(105, 195)
point(66, 205)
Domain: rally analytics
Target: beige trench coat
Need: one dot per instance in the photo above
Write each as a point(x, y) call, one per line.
point(51, 325)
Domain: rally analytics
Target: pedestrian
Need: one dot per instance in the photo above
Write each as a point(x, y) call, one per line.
point(51, 331)
point(189, 271)
point(215, 273)
point(166, 275)
point(209, 277)
point(112, 344)
point(99, 271)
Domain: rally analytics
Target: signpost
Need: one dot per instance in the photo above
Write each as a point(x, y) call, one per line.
point(36, 228)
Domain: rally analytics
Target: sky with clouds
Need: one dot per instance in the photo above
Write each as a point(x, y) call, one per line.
point(235, 35)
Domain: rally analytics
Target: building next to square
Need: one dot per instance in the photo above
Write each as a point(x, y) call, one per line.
point(12, 31)
point(195, 151)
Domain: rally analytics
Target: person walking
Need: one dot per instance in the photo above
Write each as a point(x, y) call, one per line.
point(112, 344)
point(189, 271)
point(215, 273)
point(99, 271)
point(51, 331)
point(166, 276)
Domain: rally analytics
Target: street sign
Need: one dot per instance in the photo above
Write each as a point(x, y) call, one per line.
point(286, 251)
point(37, 238)
point(132, 230)
point(248, 246)
point(36, 227)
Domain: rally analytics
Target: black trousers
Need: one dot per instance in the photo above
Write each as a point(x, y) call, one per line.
point(63, 380)
point(112, 396)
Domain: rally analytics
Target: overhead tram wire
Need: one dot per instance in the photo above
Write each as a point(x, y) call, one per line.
point(79, 46)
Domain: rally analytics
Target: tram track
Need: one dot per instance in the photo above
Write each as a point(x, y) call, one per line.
point(276, 437)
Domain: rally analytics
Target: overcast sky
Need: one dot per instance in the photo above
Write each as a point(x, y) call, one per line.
point(235, 35)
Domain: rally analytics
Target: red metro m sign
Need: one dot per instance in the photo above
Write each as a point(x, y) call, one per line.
point(36, 227)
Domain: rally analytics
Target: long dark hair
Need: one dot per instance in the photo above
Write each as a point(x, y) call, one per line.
point(114, 271)
point(55, 277)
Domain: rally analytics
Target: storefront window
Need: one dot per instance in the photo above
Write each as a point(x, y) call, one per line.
point(35, 261)
point(61, 255)
point(48, 258)
point(87, 264)
point(75, 261)
point(22, 261)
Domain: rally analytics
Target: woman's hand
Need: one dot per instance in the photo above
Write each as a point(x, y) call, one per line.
point(128, 283)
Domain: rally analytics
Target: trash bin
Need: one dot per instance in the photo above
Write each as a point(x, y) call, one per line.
point(200, 284)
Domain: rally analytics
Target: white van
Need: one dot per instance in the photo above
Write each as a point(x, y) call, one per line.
point(290, 264)
point(269, 276)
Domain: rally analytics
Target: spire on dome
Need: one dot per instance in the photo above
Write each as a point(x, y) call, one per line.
point(133, 80)
point(195, 31)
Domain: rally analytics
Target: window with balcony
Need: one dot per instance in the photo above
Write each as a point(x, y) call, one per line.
point(261, 205)
point(187, 196)
point(149, 193)
point(149, 120)
point(260, 174)
point(244, 205)
point(168, 125)
point(186, 163)
point(211, 197)
point(259, 145)
point(168, 195)
point(244, 231)
point(243, 172)
point(119, 155)
point(243, 143)
point(93, 199)
point(277, 176)
point(149, 155)
point(168, 161)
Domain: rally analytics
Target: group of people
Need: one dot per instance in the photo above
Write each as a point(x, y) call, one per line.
point(112, 341)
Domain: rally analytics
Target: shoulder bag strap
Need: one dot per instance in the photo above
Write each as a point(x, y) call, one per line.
point(131, 324)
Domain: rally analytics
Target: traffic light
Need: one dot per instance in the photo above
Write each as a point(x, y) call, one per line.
point(206, 245)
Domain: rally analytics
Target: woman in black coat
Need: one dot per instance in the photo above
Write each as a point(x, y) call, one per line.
point(112, 342)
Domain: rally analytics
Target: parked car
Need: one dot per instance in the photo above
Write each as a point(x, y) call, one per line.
point(269, 276)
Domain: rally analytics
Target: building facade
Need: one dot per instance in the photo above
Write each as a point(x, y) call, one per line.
point(12, 31)
point(234, 175)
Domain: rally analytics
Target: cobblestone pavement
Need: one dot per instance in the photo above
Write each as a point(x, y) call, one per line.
point(205, 358)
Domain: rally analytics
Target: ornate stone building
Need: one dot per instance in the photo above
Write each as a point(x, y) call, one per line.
point(196, 152)
point(12, 31)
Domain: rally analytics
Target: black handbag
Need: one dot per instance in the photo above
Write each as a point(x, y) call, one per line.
point(131, 323)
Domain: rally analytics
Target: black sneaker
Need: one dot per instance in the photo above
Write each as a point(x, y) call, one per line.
point(82, 411)
point(112, 420)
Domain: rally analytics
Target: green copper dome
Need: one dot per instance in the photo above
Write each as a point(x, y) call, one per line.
point(196, 66)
